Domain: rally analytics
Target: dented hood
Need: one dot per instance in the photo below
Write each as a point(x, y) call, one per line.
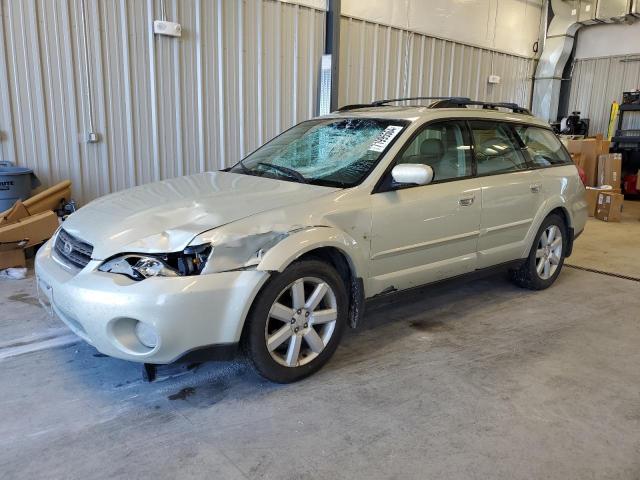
point(165, 216)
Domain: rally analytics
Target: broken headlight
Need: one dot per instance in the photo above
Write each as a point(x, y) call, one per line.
point(191, 261)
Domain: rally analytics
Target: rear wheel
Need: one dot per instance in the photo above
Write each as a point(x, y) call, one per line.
point(296, 321)
point(546, 258)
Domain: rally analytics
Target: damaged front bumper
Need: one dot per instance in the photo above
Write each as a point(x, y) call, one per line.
point(184, 313)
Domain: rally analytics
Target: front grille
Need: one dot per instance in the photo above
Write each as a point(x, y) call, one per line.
point(72, 251)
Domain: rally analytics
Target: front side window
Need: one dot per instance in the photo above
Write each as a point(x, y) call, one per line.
point(496, 147)
point(445, 147)
point(543, 146)
point(331, 152)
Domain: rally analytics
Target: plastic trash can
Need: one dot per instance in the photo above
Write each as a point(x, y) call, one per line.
point(16, 184)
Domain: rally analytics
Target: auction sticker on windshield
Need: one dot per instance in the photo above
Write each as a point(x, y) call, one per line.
point(384, 138)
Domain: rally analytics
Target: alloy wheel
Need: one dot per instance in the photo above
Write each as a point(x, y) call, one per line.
point(549, 252)
point(301, 322)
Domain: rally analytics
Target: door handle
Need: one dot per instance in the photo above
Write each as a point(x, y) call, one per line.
point(466, 201)
point(535, 187)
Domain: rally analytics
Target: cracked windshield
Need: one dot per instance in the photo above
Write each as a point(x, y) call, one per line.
point(329, 152)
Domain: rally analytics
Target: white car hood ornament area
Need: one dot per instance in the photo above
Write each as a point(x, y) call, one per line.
point(165, 216)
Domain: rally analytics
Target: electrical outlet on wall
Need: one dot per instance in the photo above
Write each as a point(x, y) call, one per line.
point(494, 79)
point(171, 29)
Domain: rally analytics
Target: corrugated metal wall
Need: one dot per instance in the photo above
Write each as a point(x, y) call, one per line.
point(597, 82)
point(243, 71)
point(379, 61)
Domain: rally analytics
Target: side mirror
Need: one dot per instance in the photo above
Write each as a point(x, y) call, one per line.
point(412, 174)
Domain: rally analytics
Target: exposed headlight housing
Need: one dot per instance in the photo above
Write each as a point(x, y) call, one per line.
point(136, 266)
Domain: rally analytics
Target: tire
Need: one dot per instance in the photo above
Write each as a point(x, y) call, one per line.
point(536, 273)
point(314, 331)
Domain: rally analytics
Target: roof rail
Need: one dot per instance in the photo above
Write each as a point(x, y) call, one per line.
point(381, 103)
point(442, 102)
point(463, 103)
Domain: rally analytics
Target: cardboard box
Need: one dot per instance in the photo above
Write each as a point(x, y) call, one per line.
point(585, 154)
point(590, 149)
point(33, 230)
point(48, 199)
point(592, 200)
point(14, 214)
point(610, 170)
point(13, 257)
point(577, 158)
point(573, 146)
point(609, 206)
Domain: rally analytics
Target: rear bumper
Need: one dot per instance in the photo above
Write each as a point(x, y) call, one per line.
point(188, 314)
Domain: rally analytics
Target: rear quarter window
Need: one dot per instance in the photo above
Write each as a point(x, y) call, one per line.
point(543, 146)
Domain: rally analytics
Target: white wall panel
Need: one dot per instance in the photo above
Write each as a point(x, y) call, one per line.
point(242, 71)
point(597, 82)
point(379, 61)
point(510, 26)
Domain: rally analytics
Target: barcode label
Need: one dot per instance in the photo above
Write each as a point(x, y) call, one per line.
point(384, 139)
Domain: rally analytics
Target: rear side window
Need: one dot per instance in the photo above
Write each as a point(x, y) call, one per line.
point(543, 146)
point(496, 147)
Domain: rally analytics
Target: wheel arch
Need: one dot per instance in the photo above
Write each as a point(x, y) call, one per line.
point(552, 206)
point(329, 245)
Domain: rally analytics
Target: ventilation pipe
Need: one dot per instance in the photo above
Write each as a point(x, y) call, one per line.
point(557, 49)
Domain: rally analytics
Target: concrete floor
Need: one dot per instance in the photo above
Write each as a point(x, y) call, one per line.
point(467, 380)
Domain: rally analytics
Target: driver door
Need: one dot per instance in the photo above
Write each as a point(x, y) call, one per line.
point(421, 234)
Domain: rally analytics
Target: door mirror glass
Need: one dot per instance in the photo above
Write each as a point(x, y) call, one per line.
point(412, 174)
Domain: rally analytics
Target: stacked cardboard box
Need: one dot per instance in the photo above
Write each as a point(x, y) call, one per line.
point(30, 223)
point(603, 175)
point(585, 153)
point(20, 230)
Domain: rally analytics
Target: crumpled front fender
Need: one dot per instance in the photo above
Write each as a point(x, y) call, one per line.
point(297, 244)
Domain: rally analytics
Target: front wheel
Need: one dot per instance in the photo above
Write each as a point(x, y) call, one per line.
point(296, 321)
point(546, 258)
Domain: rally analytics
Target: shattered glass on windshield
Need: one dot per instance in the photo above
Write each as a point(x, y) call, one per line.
point(332, 152)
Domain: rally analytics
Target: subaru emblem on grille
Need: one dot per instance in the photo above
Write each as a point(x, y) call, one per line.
point(68, 248)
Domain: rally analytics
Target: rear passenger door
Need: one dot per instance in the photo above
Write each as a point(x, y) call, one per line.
point(511, 192)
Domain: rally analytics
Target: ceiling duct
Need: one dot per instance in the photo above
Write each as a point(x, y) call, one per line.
point(557, 49)
point(569, 16)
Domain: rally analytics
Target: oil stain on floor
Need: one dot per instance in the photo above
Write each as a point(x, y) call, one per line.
point(182, 394)
point(25, 298)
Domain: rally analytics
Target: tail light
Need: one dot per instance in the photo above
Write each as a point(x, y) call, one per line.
point(583, 176)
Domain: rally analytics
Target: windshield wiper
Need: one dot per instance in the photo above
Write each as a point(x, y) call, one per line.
point(244, 168)
point(290, 172)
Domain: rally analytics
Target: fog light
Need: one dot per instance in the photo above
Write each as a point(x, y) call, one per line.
point(146, 334)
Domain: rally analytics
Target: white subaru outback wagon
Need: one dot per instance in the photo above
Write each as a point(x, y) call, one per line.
point(278, 253)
